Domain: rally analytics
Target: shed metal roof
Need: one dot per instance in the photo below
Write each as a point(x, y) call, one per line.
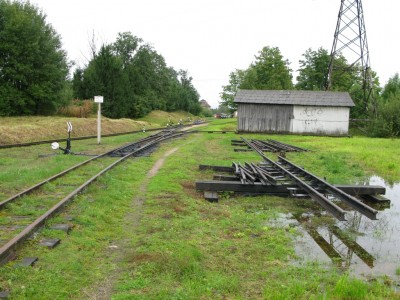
point(294, 97)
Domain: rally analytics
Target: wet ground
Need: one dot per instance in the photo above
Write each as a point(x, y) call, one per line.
point(367, 248)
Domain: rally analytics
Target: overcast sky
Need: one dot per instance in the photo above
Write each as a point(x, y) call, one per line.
point(211, 38)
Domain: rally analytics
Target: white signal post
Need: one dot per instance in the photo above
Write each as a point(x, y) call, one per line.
point(98, 100)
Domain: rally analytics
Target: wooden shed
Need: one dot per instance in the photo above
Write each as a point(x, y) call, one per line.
point(292, 111)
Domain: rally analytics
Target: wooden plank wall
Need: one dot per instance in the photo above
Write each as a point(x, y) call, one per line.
point(264, 118)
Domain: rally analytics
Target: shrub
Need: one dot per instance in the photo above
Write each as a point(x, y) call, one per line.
point(78, 109)
point(386, 123)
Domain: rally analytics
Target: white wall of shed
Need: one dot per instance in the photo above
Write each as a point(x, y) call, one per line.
point(320, 120)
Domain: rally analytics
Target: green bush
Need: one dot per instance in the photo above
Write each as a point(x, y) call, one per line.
point(386, 123)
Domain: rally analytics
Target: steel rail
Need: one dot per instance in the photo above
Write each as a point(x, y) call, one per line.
point(154, 137)
point(348, 199)
point(314, 194)
point(263, 145)
point(274, 146)
point(62, 173)
point(287, 146)
point(38, 185)
point(145, 139)
point(352, 245)
point(73, 138)
point(7, 250)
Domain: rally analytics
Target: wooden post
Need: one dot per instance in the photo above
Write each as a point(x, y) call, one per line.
point(98, 100)
point(99, 123)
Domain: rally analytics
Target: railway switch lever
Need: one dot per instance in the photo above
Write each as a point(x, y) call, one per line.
point(67, 149)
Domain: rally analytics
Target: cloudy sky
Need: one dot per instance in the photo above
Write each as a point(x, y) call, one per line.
point(211, 38)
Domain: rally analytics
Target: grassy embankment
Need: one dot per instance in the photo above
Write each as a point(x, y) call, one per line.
point(141, 237)
point(28, 129)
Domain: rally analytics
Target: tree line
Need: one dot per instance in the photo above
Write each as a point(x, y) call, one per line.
point(135, 79)
point(33, 66)
point(34, 72)
point(380, 116)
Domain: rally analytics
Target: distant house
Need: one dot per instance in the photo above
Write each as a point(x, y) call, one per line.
point(204, 104)
point(291, 111)
point(221, 116)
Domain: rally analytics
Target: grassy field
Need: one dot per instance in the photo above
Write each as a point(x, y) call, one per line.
point(145, 233)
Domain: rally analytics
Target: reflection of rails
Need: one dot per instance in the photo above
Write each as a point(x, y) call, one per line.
point(11, 212)
point(340, 247)
point(312, 185)
point(353, 246)
point(323, 244)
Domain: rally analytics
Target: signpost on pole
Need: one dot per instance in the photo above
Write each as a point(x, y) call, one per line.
point(98, 100)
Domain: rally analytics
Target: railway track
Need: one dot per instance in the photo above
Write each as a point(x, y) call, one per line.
point(72, 139)
point(318, 189)
point(25, 212)
point(268, 146)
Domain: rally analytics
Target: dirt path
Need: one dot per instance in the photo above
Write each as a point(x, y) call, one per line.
point(103, 290)
point(159, 163)
point(135, 216)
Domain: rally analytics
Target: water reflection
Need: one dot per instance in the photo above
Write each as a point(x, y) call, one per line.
point(365, 247)
point(338, 244)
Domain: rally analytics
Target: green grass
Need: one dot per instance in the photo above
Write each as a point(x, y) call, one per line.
point(83, 257)
point(156, 238)
point(222, 124)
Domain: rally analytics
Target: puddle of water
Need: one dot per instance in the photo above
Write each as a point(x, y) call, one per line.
point(283, 220)
point(367, 248)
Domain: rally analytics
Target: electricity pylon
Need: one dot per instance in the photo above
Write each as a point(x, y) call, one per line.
point(350, 40)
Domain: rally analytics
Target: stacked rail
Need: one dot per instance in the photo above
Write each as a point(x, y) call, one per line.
point(312, 184)
point(286, 178)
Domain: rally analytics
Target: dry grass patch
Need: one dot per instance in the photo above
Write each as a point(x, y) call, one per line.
point(28, 129)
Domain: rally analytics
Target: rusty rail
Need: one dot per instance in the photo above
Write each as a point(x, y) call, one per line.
point(348, 199)
point(158, 137)
point(294, 172)
point(7, 249)
point(269, 146)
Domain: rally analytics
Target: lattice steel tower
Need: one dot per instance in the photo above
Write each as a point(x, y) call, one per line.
point(350, 40)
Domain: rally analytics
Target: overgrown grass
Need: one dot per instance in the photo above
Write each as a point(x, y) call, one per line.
point(136, 237)
point(161, 118)
point(28, 129)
